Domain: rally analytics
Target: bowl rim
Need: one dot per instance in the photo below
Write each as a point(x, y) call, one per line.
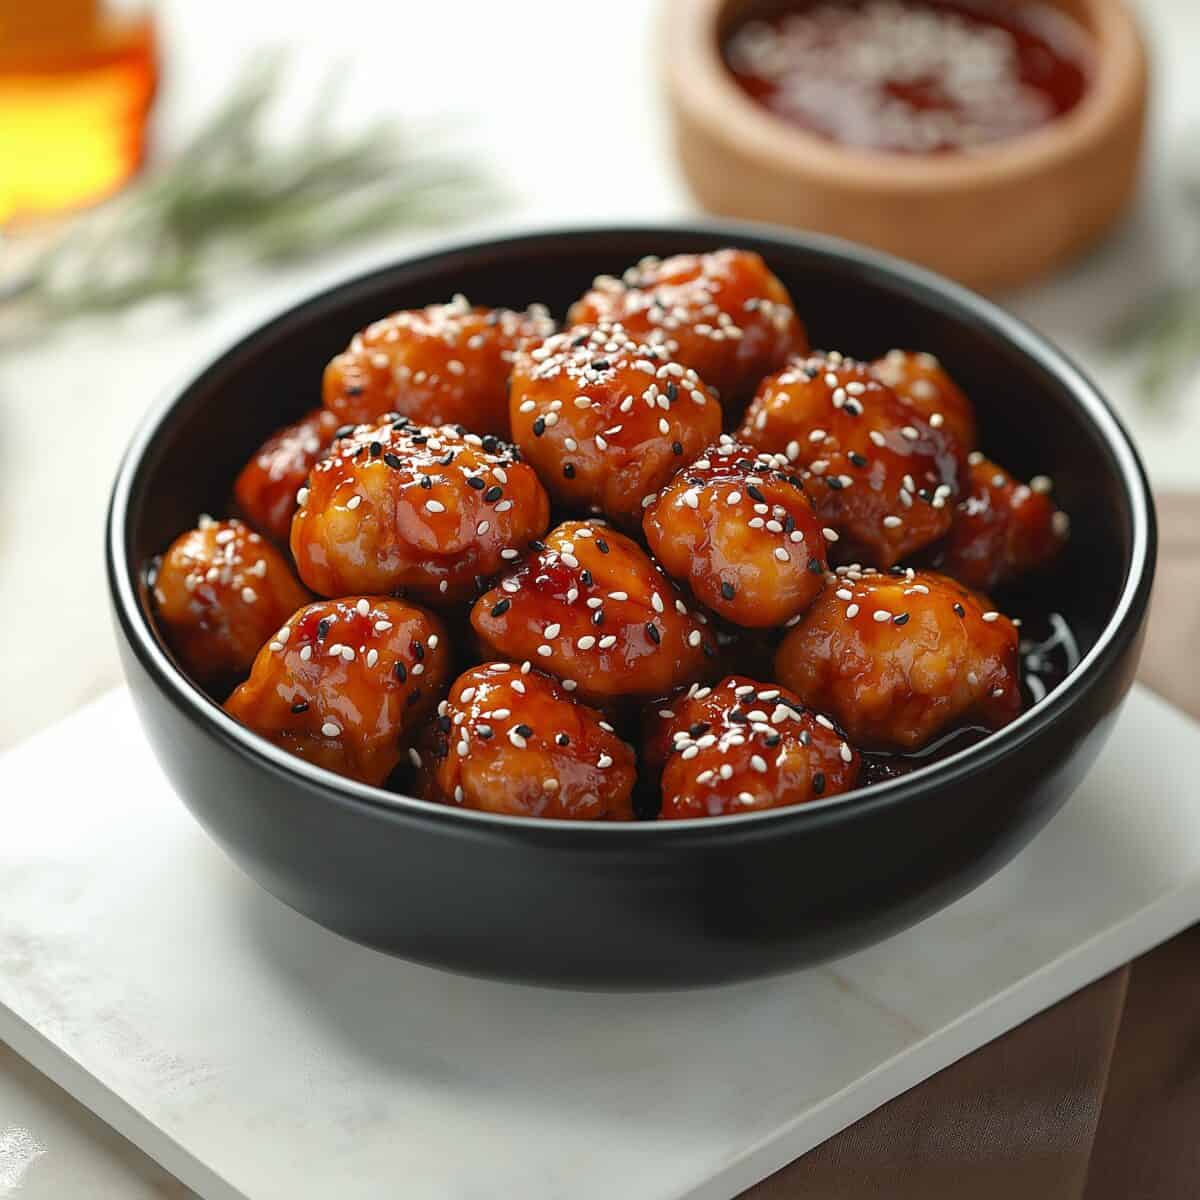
point(923, 285)
point(700, 81)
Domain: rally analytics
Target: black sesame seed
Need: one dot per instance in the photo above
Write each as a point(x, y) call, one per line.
point(585, 577)
point(598, 617)
point(493, 493)
point(900, 619)
point(700, 727)
point(301, 706)
point(523, 730)
point(491, 443)
point(789, 523)
point(710, 651)
point(323, 627)
point(563, 740)
point(738, 717)
point(857, 459)
point(539, 427)
point(537, 545)
point(599, 364)
point(569, 470)
point(400, 671)
point(672, 392)
point(601, 545)
point(376, 449)
point(445, 462)
point(958, 608)
point(834, 483)
point(728, 591)
point(418, 649)
point(755, 494)
point(652, 633)
point(392, 461)
point(814, 565)
point(677, 448)
point(772, 740)
point(501, 607)
point(426, 483)
point(818, 782)
point(476, 483)
point(484, 733)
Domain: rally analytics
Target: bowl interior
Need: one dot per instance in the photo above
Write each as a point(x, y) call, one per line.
point(1036, 416)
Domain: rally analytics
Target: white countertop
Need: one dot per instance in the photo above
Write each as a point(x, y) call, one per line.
point(539, 87)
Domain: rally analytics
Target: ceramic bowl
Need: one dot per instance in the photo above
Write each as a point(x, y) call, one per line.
point(641, 904)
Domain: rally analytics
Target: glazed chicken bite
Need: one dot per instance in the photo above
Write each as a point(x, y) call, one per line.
point(266, 489)
point(514, 741)
point(590, 607)
point(605, 420)
point(220, 592)
point(1002, 528)
point(882, 480)
point(433, 511)
point(722, 314)
point(442, 365)
point(345, 684)
point(923, 384)
point(741, 746)
point(896, 658)
point(738, 526)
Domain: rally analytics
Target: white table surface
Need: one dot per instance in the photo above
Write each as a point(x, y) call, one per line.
point(507, 70)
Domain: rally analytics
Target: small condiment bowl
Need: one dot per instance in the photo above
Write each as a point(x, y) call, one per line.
point(990, 218)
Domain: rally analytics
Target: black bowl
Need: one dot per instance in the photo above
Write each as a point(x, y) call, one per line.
point(649, 904)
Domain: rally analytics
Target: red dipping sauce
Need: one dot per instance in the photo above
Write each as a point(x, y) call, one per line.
point(913, 76)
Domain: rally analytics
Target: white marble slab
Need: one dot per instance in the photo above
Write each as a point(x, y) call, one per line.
point(256, 1055)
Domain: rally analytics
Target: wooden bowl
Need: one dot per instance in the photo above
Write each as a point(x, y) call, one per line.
point(991, 218)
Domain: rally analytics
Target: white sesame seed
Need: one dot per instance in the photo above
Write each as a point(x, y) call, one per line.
point(877, 438)
point(830, 535)
point(852, 611)
point(414, 757)
point(353, 502)
point(817, 435)
point(527, 406)
point(656, 602)
point(516, 739)
point(545, 651)
point(781, 554)
point(892, 522)
point(907, 431)
point(880, 615)
point(249, 595)
point(846, 753)
point(509, 554)
point(991, 616)
point(305, 653)
point(435, 506)
point(607, 642)
point(604, 761)
point(758, 764)
point(329, 729)
point(822, 720)
point(618, 595)
point(694, 638)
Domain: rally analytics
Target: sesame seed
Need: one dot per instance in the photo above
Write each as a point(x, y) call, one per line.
point(435, 506)
point(694, 638)
point(329, 729)
point(892, 522)
point(604, 761)
point(607, 642)
point(907, 431)
point(852, 611)
point(527, 406)
point(249, 595)
point(618, 595)
point(830, 535)
point(880, 615)
point(545, 651)
point(991, 616)
point(758, 764)
point(877, 438)
point(781, 554)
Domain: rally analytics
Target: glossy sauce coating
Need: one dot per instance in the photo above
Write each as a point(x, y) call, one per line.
point(1002, 528)
point(741, 745)
point(722, 314)
point(590, 607)
point(266, 489)
point(220, 591)
point(923, 384)
point(433, 511)
point(442, 365)
point(514, 741)
point(738, 526)
point(606, 421)
point(882, 478)
point(896, 658)
point(346, 683)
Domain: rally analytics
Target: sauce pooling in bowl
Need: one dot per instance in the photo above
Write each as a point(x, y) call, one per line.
point(913, 76)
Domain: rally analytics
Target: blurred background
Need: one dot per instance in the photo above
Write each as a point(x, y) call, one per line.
point(171, 172)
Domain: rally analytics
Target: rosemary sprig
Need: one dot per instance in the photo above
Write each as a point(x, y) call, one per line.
point(1163, 333)
point(233, 193)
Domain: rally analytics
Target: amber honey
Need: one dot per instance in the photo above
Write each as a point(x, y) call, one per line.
point(76, 82)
